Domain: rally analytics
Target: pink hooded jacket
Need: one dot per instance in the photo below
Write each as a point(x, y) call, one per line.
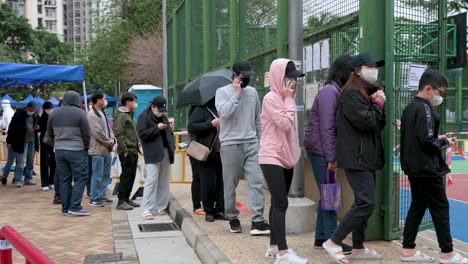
point(279, 144)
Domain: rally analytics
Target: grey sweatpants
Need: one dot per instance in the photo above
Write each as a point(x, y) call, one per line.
point(156, 194)
point(235, 158)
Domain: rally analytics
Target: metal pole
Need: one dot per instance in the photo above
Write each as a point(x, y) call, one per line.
point(165, 92)
point(84, 96)
point(188, 40)
point(295, 38)
point(282, 10)
point(459, 101)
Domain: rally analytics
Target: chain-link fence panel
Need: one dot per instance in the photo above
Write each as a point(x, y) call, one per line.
point(257, 26)
point(317, 13)
point(181, 43)
point(416, 37)
point(197, 38)
point(221, 32)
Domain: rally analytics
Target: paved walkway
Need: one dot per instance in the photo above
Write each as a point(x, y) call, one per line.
point(243, 248)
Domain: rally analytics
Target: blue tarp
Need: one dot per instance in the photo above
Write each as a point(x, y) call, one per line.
point(13, 74)
point(54, 101)
point(6, 96)
point(110, 99)
point(39, 101)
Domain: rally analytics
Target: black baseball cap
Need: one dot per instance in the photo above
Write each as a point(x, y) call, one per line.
point(47, 105)
point(365, 59)
point(243, 67)
point(160, 102)
point(292, 72)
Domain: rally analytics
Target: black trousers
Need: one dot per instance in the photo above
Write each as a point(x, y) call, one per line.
point(129, 166)
point(279, 181)
point(428, 193)
point(355, 221)
point(47, 158)
point(211, 182)
point(196, 188)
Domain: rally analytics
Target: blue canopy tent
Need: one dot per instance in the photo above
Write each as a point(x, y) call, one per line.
point(13, 74)
point(7, 97)
point(54, 101)
point(39, 101)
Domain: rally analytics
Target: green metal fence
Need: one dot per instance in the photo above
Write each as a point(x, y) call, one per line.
point(205, 35)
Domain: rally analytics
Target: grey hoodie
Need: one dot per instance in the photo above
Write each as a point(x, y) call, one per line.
point(68, 127)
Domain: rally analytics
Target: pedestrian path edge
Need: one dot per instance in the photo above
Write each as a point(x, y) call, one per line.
point(205, 248)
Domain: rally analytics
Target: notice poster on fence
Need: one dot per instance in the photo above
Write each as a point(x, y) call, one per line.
point(308, 58)
point(311, 92)
point(414, 75)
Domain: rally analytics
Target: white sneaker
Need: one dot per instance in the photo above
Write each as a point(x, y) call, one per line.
point(290, 258)
point(271, 252)
point(45, 188)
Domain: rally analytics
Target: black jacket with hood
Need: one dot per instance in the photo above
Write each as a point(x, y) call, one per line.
point(359, 124)
point(151, 138)
point(421, 149)
point(17, 131)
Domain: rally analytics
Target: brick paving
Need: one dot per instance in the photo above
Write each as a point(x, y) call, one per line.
point(64, 239)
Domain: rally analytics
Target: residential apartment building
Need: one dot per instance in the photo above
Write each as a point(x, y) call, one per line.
point(47, 14)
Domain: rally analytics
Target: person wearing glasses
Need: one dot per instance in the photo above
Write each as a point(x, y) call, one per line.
point(422, 161)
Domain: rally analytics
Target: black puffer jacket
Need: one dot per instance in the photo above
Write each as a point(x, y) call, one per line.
point(359, 145)
point(421, 149)
point(17, 131)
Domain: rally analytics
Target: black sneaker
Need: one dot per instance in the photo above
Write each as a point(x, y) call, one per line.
point(57, 200)
point(235, 226)
point(132, 203)
point(106, 200)
point(4, 181)
point(209, 218)
point(260, 228)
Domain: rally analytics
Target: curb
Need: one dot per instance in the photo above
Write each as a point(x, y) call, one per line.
point(205, 248)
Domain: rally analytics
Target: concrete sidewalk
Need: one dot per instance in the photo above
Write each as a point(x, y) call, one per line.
point(243, 248)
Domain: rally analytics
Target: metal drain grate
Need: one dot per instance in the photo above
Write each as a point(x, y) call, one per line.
point(162, 227)
point(103, 258)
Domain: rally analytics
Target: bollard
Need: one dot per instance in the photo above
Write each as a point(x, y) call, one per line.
point(6, 256)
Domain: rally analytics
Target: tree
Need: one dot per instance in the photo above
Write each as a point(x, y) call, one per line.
point(48, 49)
point(431, 5)
point(15, 32)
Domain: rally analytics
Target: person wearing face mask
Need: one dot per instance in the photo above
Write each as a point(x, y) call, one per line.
point(157, 138)
point(102, 142)
point(127, 148)
point(239, 112)
point(22, 139)
point(360, 119)
point(47, 155)
point(421, 159)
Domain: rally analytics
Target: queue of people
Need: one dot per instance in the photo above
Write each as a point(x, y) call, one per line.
point(259, 141)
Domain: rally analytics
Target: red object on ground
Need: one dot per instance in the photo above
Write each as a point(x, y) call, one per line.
point(241, 207)
point(458, 190)
point(30, 252)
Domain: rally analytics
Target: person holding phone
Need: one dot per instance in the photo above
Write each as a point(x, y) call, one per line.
point(280, 152)
point(360, 119)
point(422, 161)
point(239, 111)
point(158, 143)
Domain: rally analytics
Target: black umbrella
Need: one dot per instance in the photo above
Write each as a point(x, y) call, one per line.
point(203, 89)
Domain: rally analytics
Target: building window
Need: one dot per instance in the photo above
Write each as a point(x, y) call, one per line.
point(39, 9)
point(77, 14)
point(50, 12)
point(77, 39)
point(50, 2)
point(51, 26)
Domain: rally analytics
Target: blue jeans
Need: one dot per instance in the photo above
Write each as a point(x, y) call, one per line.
point(29, 154)
point(326, 220)
point(18, 169)
point(73, 167)
point(101, 176)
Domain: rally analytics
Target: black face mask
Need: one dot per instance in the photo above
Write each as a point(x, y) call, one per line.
point(245, 82)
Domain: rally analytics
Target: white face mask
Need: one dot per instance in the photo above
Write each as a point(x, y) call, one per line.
point(370, 74)
point(136, 105)
point(156, 113)
point(105, 104)
point(30, 113)
point(437, 100)
point(48, 111)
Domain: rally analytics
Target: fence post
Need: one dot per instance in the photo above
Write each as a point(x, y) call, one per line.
point(282, 44)
point(6, 256)
point(206, 35)
point(175, 66)
point(234, 33)
point(188, 39)
point(372, 39)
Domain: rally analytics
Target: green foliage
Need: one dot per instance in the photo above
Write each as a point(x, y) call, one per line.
point(431, 5)
point(48, 49)
point(106, 56)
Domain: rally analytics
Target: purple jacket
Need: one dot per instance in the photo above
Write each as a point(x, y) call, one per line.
point(320, 134)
